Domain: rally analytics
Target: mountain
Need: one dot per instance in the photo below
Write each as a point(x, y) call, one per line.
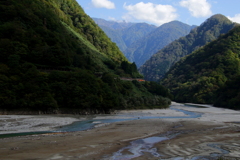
point(55, 59)
point(139, 41)
point(123, 33)
point(141, 50)
point(135, 32)
point(115, 36)
point(114, 25)
point(157, 66)
point(210, 74)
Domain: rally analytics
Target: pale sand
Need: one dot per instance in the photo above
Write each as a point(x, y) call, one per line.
point(214, 114)
point(29, 123)
point(216, 125)
point(25, 123)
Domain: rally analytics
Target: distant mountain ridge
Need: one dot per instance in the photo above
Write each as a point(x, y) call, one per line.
point(139, 41)
point(156, 67)
point(124, 33)
point(142, 49)
point(112, 24)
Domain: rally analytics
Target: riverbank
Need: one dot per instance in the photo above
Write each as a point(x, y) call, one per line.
point(28, 123)
point(39, 123)
point(195, 137)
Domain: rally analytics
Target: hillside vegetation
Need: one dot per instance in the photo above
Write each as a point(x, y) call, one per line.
point(228, 96)
point(115, 36)
point(210, 74)
point(54, 58)
point(157, 66)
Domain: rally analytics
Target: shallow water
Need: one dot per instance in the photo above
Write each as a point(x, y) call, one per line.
point(90, 122)
point(139, 147)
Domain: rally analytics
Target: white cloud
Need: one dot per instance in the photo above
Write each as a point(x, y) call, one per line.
point(154, 13)
point(236, 18)
point(103, 4)
point(197, 8)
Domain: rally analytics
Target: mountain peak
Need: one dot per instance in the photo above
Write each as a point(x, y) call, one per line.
point(156, 67)
point(217, 18)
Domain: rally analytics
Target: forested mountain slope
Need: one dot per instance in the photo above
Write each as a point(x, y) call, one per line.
point(210, 74)
point(228, 96)
point(54, 58)
point(141, 50)
point(41, 33)
point(157, 66)
point(115, 36)
point(135, 32)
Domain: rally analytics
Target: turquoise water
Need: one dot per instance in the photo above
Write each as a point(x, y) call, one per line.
point(137, 147)
point(91, 121)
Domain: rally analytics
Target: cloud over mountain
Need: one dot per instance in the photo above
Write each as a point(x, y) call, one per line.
point(153, 13)
point(236, 18)
point(197, 8)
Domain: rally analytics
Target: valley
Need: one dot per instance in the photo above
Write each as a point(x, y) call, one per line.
point(74, 87)
point(211, 135)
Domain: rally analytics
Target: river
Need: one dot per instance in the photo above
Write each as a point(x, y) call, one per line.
point(88, 122)
point(100, 120)
point(178, 133)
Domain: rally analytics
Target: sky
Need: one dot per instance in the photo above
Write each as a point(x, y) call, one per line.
point(158, 12)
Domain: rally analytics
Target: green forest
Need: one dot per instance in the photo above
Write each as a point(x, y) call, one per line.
point(54, 58)
point(157, 66)
point(210, 74)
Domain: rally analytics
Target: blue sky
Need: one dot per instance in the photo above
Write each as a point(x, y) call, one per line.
point(158, 12)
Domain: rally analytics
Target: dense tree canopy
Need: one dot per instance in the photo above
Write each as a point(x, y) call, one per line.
point(228, 96)
point(53, 57)
point(204, 76)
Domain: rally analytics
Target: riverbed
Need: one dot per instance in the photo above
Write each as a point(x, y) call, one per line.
point(12, 125)
point(181, 132)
